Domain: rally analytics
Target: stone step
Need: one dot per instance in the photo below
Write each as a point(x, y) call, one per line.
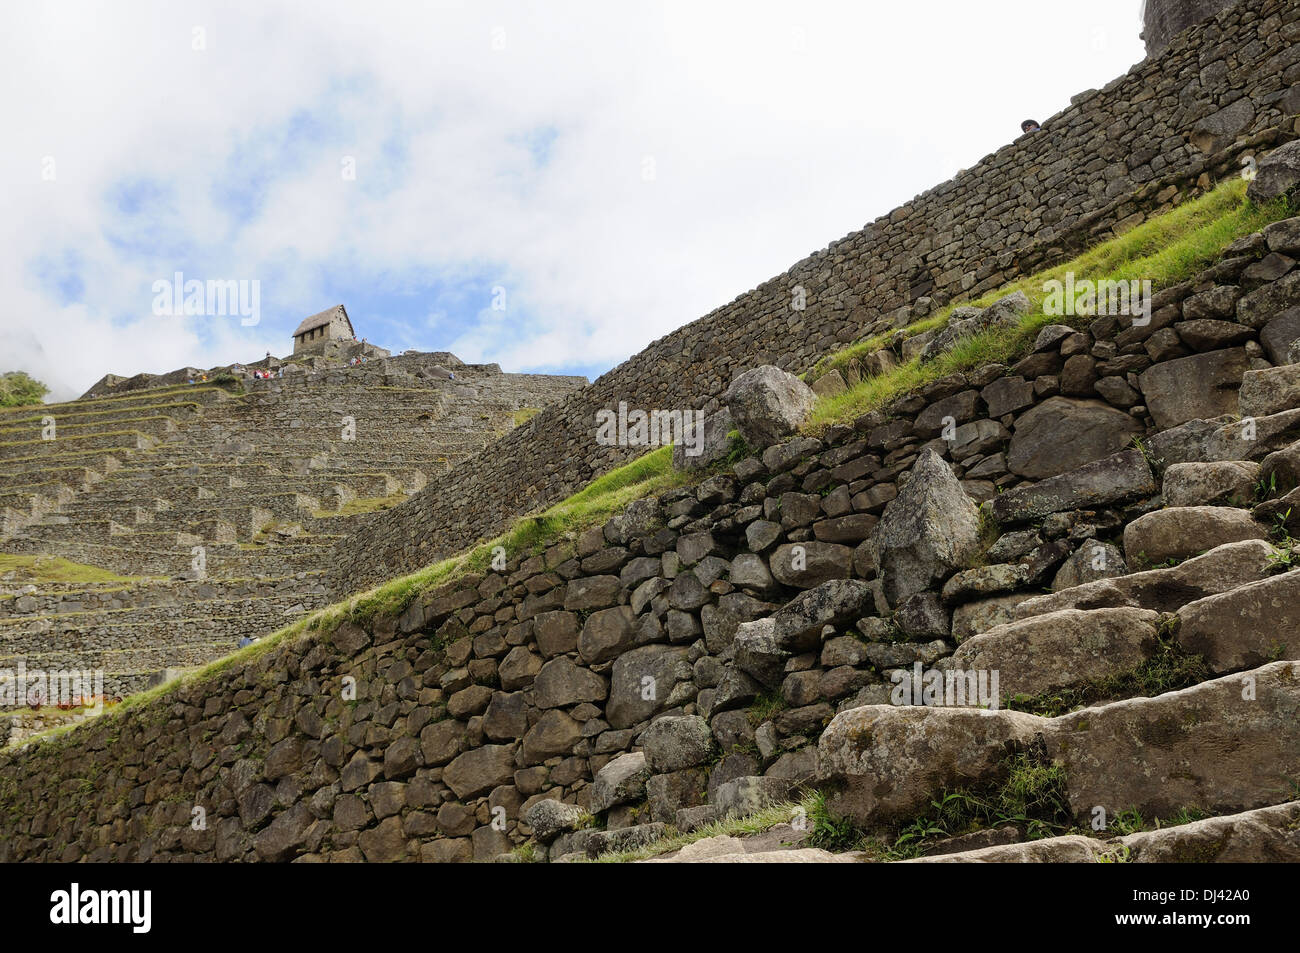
point(1222, 746)
point(1240, 628)
point(1164, 590)
point(70, 598)
point(145, 660)
point(1182, 531)
point(206, 396)
point(1119, 478)
point(1264, 835)
point(1246, 626)
point(1060, 650)
point(1226, 438)
point(34, 469)
point(1270, 391)
point(75, 478)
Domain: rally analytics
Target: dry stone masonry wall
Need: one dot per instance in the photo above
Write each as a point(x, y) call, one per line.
point(709, 650)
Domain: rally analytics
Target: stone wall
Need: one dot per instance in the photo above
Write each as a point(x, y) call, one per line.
point(611, 672)
point(1162, 20)
point(1164, 130)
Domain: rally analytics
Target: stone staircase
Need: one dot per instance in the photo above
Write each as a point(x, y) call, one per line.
point(1224, 595)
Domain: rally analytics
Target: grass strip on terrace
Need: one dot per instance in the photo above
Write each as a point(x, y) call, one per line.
point(43, 569)
point(1166, 251)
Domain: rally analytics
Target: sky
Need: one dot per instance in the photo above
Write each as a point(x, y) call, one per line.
point(548, 185)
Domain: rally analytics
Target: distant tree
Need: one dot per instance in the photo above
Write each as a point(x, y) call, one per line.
point(18, 389)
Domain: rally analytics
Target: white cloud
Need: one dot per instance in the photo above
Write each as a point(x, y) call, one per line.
point(774, 128)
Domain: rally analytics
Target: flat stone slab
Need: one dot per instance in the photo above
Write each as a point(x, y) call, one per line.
point(1163, 590)
point(1120, 477)
point(1196, 387)
point(1063, 433)
point(1266, 835)
point(1070, 849)
point(1244, 627)
point(1230, 482)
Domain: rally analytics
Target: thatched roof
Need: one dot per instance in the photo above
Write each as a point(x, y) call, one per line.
point(325, 317)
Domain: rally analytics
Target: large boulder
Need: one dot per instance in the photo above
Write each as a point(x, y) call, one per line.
point(1063, 433)
point(887, 763)
point(1244, 627)
point(767, 405)
point(1182, 531)
point(1061, 649)
point(1224, 745)
point(1196, 387)
point(1277, 174)
point(926, 532)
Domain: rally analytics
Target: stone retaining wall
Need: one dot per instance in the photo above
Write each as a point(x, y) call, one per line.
point(428, 736)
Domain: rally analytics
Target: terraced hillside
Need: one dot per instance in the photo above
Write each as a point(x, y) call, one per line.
point(208, 511)
point(1030, 609)
point(993, 582)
